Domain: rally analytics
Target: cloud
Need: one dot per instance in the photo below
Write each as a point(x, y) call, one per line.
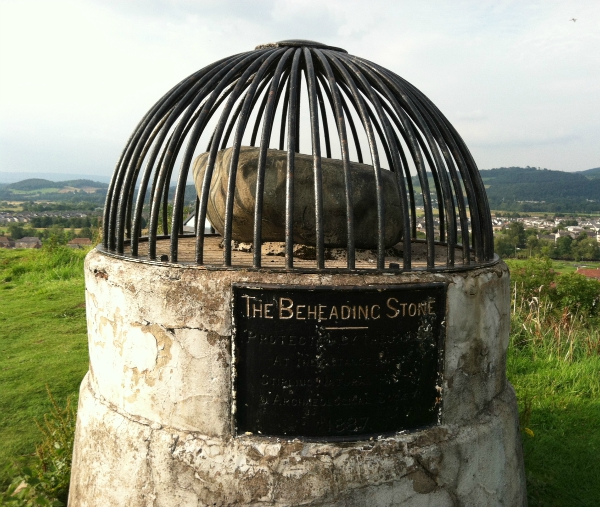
point(527, 141)
point(86, 71)
point(474, 115)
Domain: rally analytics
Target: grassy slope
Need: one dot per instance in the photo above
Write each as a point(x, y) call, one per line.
point(560, 266)
point(558, 402)
point(43, 341)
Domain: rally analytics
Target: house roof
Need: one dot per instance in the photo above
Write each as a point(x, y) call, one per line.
point(29, 239)
point(589, 272)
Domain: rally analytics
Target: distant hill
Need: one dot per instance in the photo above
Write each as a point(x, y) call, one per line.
point(591, 173)
point(7, 177)
point(531, 189)
point(40, 184)
point(36, 189)
point(508, 188)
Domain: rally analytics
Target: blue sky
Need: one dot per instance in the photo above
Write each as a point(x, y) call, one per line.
point(519, 81)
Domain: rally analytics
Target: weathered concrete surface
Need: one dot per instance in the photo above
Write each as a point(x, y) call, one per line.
point(334, 199)
point(140, 463)
point(155, 423)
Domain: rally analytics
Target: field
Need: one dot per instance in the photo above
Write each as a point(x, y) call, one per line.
point(43, 342)
point(561, 266)
point(553, 362)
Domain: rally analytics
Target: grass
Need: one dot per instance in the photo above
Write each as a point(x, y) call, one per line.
point(553, 362)
point(43, 342)
point(560, 266)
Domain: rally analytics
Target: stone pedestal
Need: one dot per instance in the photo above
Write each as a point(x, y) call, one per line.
point(155, 424)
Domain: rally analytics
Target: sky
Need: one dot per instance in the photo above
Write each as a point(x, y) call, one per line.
point(518, 80)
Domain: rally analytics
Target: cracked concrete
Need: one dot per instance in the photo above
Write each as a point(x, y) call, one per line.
point(155, 412)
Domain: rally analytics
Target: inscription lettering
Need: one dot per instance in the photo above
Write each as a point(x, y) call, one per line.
point(288, 309)
point(337, 362)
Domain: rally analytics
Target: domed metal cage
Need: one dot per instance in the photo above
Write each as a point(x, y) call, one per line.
point(287, 95)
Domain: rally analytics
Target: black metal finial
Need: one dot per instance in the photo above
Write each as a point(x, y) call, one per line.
point(298, 43)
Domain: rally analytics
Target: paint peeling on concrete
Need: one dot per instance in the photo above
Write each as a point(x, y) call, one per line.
point(154, 422)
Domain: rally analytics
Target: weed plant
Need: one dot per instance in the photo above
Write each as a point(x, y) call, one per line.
point(47, 481)
point(554, 364)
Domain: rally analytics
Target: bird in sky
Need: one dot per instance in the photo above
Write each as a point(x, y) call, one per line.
point(573, 20)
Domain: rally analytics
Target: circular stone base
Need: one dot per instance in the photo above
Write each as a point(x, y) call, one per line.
point(155, 424)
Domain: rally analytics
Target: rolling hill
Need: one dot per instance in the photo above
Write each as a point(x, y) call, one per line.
point(531, 189)
point(36, 189)
point(508, 188)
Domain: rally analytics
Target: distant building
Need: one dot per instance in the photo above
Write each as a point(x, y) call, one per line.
point(28, 242)
point(6, 242)
point(80, 243)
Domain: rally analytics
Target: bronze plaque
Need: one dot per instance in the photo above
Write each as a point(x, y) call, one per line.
point(337, 362)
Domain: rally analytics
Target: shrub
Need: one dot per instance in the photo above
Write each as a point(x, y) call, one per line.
point(578, 294)
point(532, 278)
point(47, 482)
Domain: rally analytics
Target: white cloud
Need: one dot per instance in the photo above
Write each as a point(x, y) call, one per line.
point(508, 74)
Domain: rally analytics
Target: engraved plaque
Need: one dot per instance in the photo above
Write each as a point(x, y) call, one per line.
point(337, 362)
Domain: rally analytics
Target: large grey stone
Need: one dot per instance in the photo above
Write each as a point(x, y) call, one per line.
point(334, 199)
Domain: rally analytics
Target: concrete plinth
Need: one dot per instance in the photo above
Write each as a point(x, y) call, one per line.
point(155, 424)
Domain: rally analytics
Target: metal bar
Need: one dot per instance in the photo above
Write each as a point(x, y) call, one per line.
point(284, 113)
point(234, 117)
point(368, 126)
point(453, 141)
point(181, 105)
point(442, 191)
point(469, 173)
point(166, 103)
point(248, 104)
point(405, 167)
point(312, 88)
point(349, 118)
point(133, 231)
point(194, 101)
point(110, 211)
point(274, 92)
point(216, 106)
point(291, 149)
point(196, 223)
point(394, 93)
point(262, 108)
point(393, 152)
point(434, 123)
point(374, 121)
point(298, 100)
point(247, 67)
point(231, 93)
point(336, 103)
point(410, 189)
point(324, 120)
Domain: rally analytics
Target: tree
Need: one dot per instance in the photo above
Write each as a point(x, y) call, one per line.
point(585, 248)
point(563, 247)
point(516, 235)
point(503, 246)
point(16, 231)
point(533, 245)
